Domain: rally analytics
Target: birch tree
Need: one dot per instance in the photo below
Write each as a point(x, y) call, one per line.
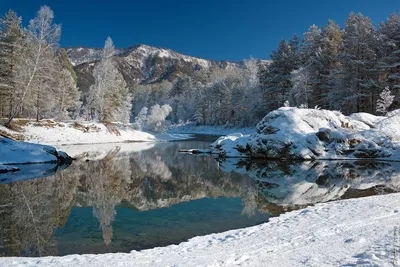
point(42, 37)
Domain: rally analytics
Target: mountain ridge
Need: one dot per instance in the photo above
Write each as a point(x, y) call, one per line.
point(144, 64)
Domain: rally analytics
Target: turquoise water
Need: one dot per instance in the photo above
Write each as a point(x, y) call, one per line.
point(140, 196)
point(141, 230)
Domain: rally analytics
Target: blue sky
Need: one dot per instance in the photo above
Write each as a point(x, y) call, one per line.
point(220, 30)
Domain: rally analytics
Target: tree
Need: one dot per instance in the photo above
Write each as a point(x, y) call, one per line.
point(276, 80)
point(155, 120)
point(385, 101)
point(11, 42)
point(68, 95)
point(109, 98)
point(35, 59)
point(389, 64)
point(358, 59)
point(300, 92)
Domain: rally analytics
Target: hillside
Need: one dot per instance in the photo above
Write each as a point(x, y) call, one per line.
point(143, 64)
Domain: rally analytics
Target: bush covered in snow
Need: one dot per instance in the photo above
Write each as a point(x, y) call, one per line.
point(153, 120)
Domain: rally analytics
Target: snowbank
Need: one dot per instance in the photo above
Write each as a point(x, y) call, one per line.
point(329, 234)
point(307, 134)
point(47, 160)
point(14, 153)
point(71, 133)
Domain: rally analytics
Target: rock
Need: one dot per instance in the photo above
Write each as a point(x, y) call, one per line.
point(6, 169)
point(324, 135)
point(310, 134)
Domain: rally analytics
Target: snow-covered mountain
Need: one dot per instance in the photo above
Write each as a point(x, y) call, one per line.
point(143, 64)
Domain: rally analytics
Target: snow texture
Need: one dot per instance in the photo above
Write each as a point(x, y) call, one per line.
point(307, 134)
point(13, 153)
point(73, 133)
point(329, 234)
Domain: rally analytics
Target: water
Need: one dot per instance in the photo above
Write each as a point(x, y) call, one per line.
point(139, 196)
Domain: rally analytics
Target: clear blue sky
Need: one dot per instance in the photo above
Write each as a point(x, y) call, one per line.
point(212, 29)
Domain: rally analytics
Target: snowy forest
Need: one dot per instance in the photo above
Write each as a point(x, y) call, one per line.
point(351, 69)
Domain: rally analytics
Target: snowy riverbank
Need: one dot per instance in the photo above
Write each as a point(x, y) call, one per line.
point(22, 160)
point(50, 132)
point(15, 153)
point(329, 234)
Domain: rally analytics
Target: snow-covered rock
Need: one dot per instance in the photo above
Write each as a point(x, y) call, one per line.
point(307, 134)
point(14, 152)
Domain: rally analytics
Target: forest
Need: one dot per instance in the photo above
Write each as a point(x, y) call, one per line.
point(350, 69)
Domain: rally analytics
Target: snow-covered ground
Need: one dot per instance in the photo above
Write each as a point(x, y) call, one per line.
point(306, 134)
point(356, 232)
point(72, 133)
point(13, 152)
point(99, 151)
point(16, 157)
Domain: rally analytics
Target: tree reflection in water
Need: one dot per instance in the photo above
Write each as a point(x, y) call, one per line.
point(160, 177)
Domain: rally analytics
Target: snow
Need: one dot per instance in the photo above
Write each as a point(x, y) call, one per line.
point(368, 119)
point(99, 151)
point(67, 133)
point(306, 134)
point(391, 125)
point(47, 160)
point(13, 153)
point(355, 232)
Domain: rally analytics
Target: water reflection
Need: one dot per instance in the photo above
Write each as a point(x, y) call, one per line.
point(124, 178)
point(303, 183)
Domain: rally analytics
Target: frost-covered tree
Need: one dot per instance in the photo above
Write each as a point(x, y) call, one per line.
point(300, 92)
point(109, 98)
point(385, 101)
point(155, 119)
point(389, 63)
point(358, 60)
point(276, 80)
point(11, 44)
point(36, 67)
point(68, 95)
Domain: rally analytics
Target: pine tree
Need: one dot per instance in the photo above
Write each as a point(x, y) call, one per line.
point(11, 41)
point(331, 42)
point(359, 59)
point(276, 80)
point(389, 64)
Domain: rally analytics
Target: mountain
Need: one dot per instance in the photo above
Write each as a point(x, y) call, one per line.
point(142, 64)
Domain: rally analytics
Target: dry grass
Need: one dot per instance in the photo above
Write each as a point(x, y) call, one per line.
point(86, 128)
point(14, 136)
point(112, 128)
point(47, 123)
